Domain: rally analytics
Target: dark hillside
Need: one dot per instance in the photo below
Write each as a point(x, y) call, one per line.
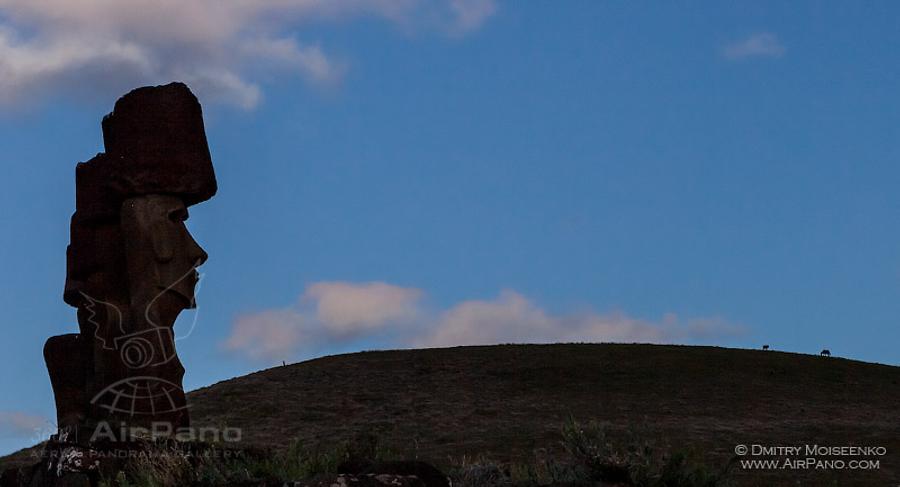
point(506, 401)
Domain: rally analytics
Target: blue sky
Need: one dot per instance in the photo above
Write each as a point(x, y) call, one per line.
point(427, 173)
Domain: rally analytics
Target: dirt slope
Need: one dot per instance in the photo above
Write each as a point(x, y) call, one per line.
point(507, 402)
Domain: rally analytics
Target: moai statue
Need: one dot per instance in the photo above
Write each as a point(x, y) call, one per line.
point(132, 266)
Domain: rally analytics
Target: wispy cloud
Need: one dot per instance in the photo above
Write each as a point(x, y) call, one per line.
point(761, 44)
point(326, 313)
point(350, 309)
point(511, 317)
point(21, 425)
point(98, 47)
point(335, 314)
point(470, 14)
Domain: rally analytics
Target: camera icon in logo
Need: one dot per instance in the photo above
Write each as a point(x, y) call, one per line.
point(147, 348)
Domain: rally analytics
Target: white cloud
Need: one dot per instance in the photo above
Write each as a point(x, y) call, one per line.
point(21, 425)
point(326, 313)
point(471, 14)
point(271, 334)
point(762, 44)
point(512, 318)
point(103, 47)
point(334, 314)
point(348, 309)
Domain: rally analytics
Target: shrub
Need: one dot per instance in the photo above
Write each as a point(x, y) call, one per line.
point(466, 471)
point(637, 461)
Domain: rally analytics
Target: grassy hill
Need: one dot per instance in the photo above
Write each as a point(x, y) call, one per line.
point(507, 404)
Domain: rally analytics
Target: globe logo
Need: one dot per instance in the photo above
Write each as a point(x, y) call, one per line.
point(144, 395)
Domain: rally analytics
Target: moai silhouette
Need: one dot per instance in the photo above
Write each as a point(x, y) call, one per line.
point(131, 266)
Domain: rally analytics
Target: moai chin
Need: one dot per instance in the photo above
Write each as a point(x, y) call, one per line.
point(131, 265)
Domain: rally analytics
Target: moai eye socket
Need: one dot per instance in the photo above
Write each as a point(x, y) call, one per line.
point(178, 214)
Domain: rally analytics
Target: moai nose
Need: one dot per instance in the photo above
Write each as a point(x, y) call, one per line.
point(197, 254)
